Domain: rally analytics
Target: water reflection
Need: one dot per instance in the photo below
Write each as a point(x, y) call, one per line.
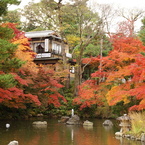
point(72, 134)
point(88, 127)
point(71, 129)
point(107, 128)
point(44, 127)
point(60, 134)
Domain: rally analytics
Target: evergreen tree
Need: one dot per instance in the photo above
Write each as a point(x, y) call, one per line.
point(142, 31)
point(8, 63)
point(4, 5)
point(12, 17)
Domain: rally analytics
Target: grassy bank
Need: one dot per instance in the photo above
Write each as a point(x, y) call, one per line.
point(137, 123)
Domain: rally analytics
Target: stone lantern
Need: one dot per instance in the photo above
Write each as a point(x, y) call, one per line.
point(124, 124)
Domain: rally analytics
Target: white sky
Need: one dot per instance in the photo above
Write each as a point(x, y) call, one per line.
point(124, 3)
point(121, 3)
point(22, 4)
point(128, 4)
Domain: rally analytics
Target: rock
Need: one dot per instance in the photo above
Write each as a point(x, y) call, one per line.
point(75, 119)
point(88, 123)
point(132, 137)
point(138, 139)
point(13, 142)
point(64, 119)
point(40, 115)
point(108, 123)
point(39, 123)
point(119, 134)
point(127, 136)
point(143, 137)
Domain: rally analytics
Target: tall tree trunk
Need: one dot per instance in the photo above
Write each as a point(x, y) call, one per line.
point(101, 50)
point(78, 76)
point(78, 69)
point(64, 59)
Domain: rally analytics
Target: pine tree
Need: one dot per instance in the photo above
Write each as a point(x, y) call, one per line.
point(8, 63)
point(4, 5)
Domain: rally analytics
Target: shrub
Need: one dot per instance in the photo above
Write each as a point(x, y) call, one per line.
point(137, 123)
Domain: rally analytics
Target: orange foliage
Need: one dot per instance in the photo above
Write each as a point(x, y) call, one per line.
point(54, 99)
point(37, 82)
point(46, 82)
point(116, 94)
point(24, 51)
point(20, 80)
point(132, 71)
point(88, 95)
point(93, 61)
point(4, 94)
point(128, 45)
point(15, 97)
point(122, 75)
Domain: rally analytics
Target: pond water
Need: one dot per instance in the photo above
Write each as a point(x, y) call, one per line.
point(60, 134)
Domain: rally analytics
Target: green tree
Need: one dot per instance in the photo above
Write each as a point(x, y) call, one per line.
point(84, 25)
point(93, 49)
point(8, 63)
point(74, 21)
point(12, 78)
point(142, 31)
point(40, 16)
point(4, 5)
point(12, 17)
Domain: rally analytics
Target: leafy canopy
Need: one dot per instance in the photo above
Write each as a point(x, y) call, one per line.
point(4, 5)
point(122, 76)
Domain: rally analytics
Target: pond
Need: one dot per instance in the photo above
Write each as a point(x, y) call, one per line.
point(60, 134)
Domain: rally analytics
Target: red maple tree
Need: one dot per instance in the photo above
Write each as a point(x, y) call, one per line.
point(121, 77)
point(33, 85)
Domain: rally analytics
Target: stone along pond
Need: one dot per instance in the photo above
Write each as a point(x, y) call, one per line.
point(61, 134)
